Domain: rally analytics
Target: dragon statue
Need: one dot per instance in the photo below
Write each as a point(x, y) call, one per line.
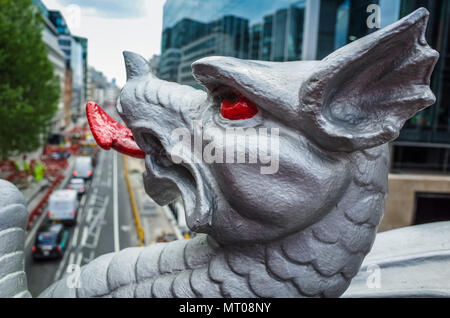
point(303, 231)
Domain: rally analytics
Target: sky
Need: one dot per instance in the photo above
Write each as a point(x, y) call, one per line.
point(114, 26)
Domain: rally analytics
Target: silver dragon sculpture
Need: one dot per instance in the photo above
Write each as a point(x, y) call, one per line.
point(301, 232)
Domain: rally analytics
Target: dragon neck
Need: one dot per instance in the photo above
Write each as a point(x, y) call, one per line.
point(318, 261)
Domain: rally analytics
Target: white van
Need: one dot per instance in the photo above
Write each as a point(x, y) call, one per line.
point(63, 206)
point(83, 168)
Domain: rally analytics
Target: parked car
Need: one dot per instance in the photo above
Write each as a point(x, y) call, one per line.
point(78, 185)
point(83, 167)
point(51, 242)
point(63, 206)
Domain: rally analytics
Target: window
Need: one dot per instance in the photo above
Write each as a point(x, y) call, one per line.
point(432, 207)
point(418, 157)
point(201, 46)
point(46, 238)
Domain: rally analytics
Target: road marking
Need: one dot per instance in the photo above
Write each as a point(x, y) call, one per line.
point(84, 236)
point(99, 217)
point(61, 266)
point(89, 215)
point(83, 200)
point(80, 213)
point(71, 258)
point(126, 228)
point(75, 236)
point(115, 205)
point(93, 197)
point(96, 238)
point(79, 258)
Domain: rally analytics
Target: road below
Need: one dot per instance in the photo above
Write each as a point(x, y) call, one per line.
point(104, 224)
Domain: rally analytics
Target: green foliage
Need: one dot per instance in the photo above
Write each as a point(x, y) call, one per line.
point(29, 91)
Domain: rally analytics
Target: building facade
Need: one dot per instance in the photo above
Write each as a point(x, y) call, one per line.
point(420, 180)
point(154, 63)
point(331, 24)
point(263, 30)
point(282, 30)
point(77, 67)
point(76, 52)
point(424, 142)
point(97, 86)
point(84, 46)
point(227, 36)
point(57, 57)
point(100, 90)
point(174, 39)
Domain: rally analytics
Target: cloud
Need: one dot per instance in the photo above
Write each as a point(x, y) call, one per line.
point(110, 34)
point(114, 9)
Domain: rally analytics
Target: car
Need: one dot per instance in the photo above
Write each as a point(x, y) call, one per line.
point(166, 237)
point(63, 206)
point(51, 242)
point(78, 185)
point(89, 151)
point(60, 155)
point(83, 168)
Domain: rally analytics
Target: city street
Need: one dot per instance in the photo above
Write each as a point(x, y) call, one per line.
point(104, 224)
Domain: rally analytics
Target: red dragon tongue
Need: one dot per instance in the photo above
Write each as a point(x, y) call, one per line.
point(108, 133)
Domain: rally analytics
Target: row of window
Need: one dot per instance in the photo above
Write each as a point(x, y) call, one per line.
point(201, 46)
point(201, 55)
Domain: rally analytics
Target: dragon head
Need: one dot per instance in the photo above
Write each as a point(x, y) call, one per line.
point(317, 116)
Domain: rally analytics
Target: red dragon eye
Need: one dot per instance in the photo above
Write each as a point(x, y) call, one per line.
point(237, 107)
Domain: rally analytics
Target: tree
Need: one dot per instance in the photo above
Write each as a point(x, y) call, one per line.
point(29, 91)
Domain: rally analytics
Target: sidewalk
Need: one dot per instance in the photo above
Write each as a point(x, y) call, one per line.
point(31, 192)
point(156, 220)
point(36, 190)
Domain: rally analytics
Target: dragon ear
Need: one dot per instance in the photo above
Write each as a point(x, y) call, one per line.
point(361, 95)
point(136, 65)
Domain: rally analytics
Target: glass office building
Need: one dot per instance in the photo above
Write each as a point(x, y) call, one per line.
point(76, 50)
point(270, 30)
point(64, 38)
point(228, 36)
point(424, 142)
point(76, 64)
point(248, 29)
point(332, 24)
point(209, 10)
point(84, 46)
